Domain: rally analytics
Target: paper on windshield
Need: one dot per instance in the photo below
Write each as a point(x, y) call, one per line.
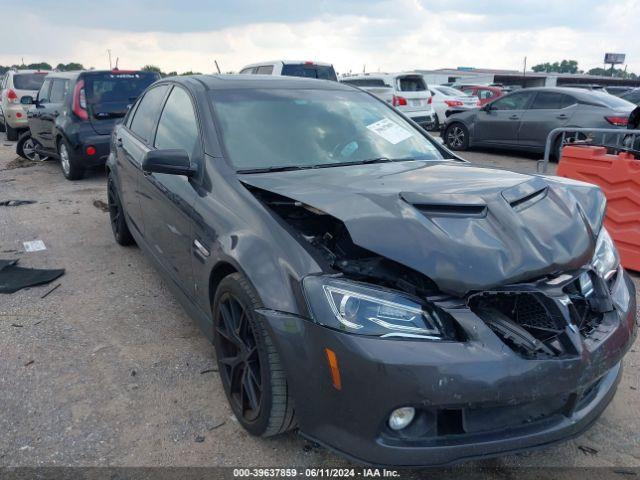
point(390, 131)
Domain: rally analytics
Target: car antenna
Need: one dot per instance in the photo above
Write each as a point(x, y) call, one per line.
point(117, 59)
point(216, 62)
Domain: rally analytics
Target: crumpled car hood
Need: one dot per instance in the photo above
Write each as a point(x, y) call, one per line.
point(467, 228)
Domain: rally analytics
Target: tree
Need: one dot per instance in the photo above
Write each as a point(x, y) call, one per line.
point(152, 68)
point(191, 73)
point(617, 72)
point(565, 66)
point(69, 67)
point(38, 66)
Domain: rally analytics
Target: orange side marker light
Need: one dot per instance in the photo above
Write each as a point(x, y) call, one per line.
point(335, 370)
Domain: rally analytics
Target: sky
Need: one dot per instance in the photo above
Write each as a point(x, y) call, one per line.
point(376, 35)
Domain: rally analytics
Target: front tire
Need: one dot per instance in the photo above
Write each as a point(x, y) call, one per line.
point(456, 136)
point(26, 148)
point(249, 365)
point(68, 163)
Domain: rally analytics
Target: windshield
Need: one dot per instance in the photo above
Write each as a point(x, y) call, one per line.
point(28, 81)
point(310, 70)
point(110, 94)
point(307, 128)
point(451, 92)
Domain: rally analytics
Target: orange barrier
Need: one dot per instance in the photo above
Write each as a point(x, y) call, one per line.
point(619, 178)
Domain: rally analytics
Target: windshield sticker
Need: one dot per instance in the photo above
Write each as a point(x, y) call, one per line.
point(390, 131)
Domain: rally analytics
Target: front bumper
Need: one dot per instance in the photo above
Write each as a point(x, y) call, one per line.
point(474, 399)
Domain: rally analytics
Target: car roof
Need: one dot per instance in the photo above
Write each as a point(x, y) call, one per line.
point(18, 72)
point(229, 82)
point(287, 62)
point(77, 73)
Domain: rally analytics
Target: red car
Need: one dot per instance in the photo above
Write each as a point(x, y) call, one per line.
point(484, 93)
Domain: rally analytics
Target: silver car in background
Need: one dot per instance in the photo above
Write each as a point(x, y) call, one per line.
point(522, 120)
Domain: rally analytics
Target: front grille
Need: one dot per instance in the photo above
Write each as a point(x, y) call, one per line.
point(530, 323)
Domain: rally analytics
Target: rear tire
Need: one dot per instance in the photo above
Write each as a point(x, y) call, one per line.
point(68, 163)
point(12, 133)
point(2, 127)
point(436, 124)
point(249, 365)
point(456, 136)
point(119, 226)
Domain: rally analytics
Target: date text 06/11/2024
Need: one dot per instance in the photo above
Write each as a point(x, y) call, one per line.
point(315, 472)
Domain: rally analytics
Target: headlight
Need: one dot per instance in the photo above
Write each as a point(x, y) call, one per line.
point(605, 259)
point(366, 310)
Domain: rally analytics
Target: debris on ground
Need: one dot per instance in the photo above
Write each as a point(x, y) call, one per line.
point(214, 425)
point(15, 203)
point(34, 246)
point(17, 325)
point(208, 370)
point(30, 362)
point(100, 205)
point(587, 450)
point(199, 439)
point(14, 278)
point(20, 163)
point(50, 290)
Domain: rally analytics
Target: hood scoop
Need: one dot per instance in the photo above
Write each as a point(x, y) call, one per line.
point(446, 205)
point(526, 194)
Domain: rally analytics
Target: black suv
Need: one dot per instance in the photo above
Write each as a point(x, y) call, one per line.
point(75, 112)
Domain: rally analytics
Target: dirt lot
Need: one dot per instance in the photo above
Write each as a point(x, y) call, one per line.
point(108, 369)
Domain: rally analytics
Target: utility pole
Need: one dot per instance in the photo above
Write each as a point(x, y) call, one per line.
point(524, 73)
point(109, 52)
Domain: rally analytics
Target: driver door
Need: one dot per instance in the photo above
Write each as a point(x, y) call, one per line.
point(498, 123)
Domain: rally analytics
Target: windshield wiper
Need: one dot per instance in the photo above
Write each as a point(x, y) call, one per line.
point(281, 168)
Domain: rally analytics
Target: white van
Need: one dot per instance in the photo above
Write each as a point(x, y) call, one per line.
point(407, 92)
point(292, 68)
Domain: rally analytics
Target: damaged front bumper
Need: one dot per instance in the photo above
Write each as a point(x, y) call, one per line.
point(473, 398)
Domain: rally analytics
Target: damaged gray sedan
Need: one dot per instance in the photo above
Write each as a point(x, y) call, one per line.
point(363, 284)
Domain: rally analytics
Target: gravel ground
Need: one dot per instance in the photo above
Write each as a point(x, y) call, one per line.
point(109, 370)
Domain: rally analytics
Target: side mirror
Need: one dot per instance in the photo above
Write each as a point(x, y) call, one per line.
point(171, 162)
point(27, 100)
point(487, 108)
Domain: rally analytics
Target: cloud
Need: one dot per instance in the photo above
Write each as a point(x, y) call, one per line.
point(381, 34)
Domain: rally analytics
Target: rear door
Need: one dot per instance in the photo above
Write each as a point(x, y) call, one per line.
point(414, 90)
point(34, 114)
point(110, 94)
point(132, 143)
point(547, 111)
point(499, 122)
point(50, 111)
point(167, 200)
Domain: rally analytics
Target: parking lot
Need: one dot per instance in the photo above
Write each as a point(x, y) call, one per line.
point(107, 369)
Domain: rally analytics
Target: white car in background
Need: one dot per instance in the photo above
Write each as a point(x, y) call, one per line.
point(408, 92)
point(448, 98)
point(292, 68)
point(14, 85)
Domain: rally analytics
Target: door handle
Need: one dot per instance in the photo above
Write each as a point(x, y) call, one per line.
point(119, 142)
point(562, 116)
point(514, 117)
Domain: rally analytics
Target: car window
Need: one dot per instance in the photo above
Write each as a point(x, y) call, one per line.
point(28, 81)
point(43, 94)
point(549, 101)
point(366, 82)
point(485, 94)
point(300, 127)
point(178, 127)
point(310, 70)
point(110, 94)
point(265, 70)
point(411, 84)
point(58, 91)
point(248, 70)
point(144, 120)
point(515, 101)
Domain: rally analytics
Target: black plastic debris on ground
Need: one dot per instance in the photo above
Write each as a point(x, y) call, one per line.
point(15, 203)
point(14, 278)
